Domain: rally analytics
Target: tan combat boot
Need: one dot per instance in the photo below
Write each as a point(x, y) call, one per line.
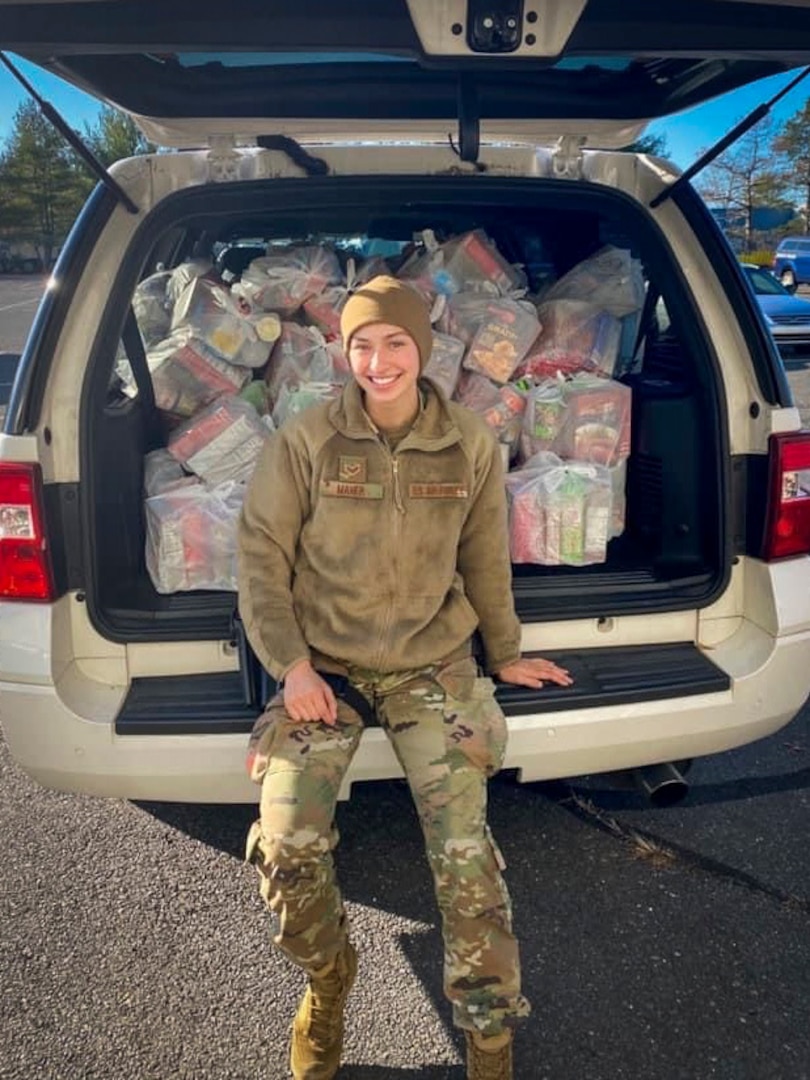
point(489, 1059)
point(317, 1031)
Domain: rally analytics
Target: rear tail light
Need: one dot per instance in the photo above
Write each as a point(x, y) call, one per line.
point(25, 562)
point(787, 522)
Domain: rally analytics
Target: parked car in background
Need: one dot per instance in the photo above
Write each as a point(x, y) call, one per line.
point(787, 316)
point(791, 263)
point(12, 262)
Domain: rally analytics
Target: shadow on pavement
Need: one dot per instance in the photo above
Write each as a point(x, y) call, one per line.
point(629, 964)
point(376, 809)
point(384, 809)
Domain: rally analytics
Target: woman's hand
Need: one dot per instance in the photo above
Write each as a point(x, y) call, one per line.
point(533, 671)
point(307, 696)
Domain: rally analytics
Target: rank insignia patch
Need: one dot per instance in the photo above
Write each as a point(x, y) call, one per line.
point(352, 470)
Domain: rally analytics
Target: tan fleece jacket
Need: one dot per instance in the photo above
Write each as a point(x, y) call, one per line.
point(385, 560)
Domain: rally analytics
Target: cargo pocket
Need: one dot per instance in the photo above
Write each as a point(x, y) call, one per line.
point(499, 884)
point(497, 854)
point(254, 837)
point(262, 738)
point(475, 726)
point(255, 856)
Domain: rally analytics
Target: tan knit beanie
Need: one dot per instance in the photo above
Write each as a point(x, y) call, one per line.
point(386, 300)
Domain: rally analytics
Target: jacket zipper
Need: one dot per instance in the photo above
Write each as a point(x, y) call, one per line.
point(397, 493)
point(399, 508)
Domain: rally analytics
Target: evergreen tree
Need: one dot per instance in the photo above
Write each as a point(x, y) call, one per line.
point(43, 181)
point(43, 185)
point(654, 145)
point(115, 136)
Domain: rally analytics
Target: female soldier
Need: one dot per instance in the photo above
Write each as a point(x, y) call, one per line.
point(373, 547)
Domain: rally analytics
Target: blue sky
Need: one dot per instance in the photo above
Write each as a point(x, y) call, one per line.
point(687, 133)
point(75, 106)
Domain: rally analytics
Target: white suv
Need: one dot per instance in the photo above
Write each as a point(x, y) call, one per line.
point(405, 126)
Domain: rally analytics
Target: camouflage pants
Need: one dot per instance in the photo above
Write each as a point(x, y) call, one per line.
point(449, 735)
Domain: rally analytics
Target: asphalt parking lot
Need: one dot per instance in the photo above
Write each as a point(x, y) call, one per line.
point(656, 943)
point(664, 944)
point(19, 296)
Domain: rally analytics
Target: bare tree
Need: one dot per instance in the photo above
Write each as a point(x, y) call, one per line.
point(743, 179)
point(792, 145)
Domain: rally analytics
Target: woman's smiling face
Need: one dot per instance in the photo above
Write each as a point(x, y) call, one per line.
point(385, 362)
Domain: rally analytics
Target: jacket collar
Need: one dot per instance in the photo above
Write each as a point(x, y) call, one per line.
point(433, 429)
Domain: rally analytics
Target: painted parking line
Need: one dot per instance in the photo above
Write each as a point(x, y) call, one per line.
point(21, 303)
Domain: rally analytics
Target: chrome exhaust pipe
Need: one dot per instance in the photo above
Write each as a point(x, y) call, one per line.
point(662, 785)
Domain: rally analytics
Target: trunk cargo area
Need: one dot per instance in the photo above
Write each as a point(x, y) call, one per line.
point(671, 550)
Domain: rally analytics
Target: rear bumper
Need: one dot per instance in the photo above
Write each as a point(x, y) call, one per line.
point(769, 684)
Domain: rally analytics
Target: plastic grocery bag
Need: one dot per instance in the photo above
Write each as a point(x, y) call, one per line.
point(576, 336)
point(474, 258)
point(610, 279)
point(154, 298)
point(444, 364)
point(221, 442)
point(282, 280)
point(560, 515)
point(187, 374)
point(338, 360)
point(597, 420)
point(477, 392)
point(191, 537)
point(152, 305)
point(618, 484)
point(543, 417)
point(499, 406)
point(503, 337)
point(323, 309)
point(214, 316)
point(258, 394)
point(462, 315)
point(162, 472)
point(293, 400)
point(462, 262)
point(497, 330)
point(184, 274)
point(506, 415)
point(301, 355)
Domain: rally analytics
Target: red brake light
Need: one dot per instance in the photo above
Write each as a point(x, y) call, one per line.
point(787, 525)
point(25, 563)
